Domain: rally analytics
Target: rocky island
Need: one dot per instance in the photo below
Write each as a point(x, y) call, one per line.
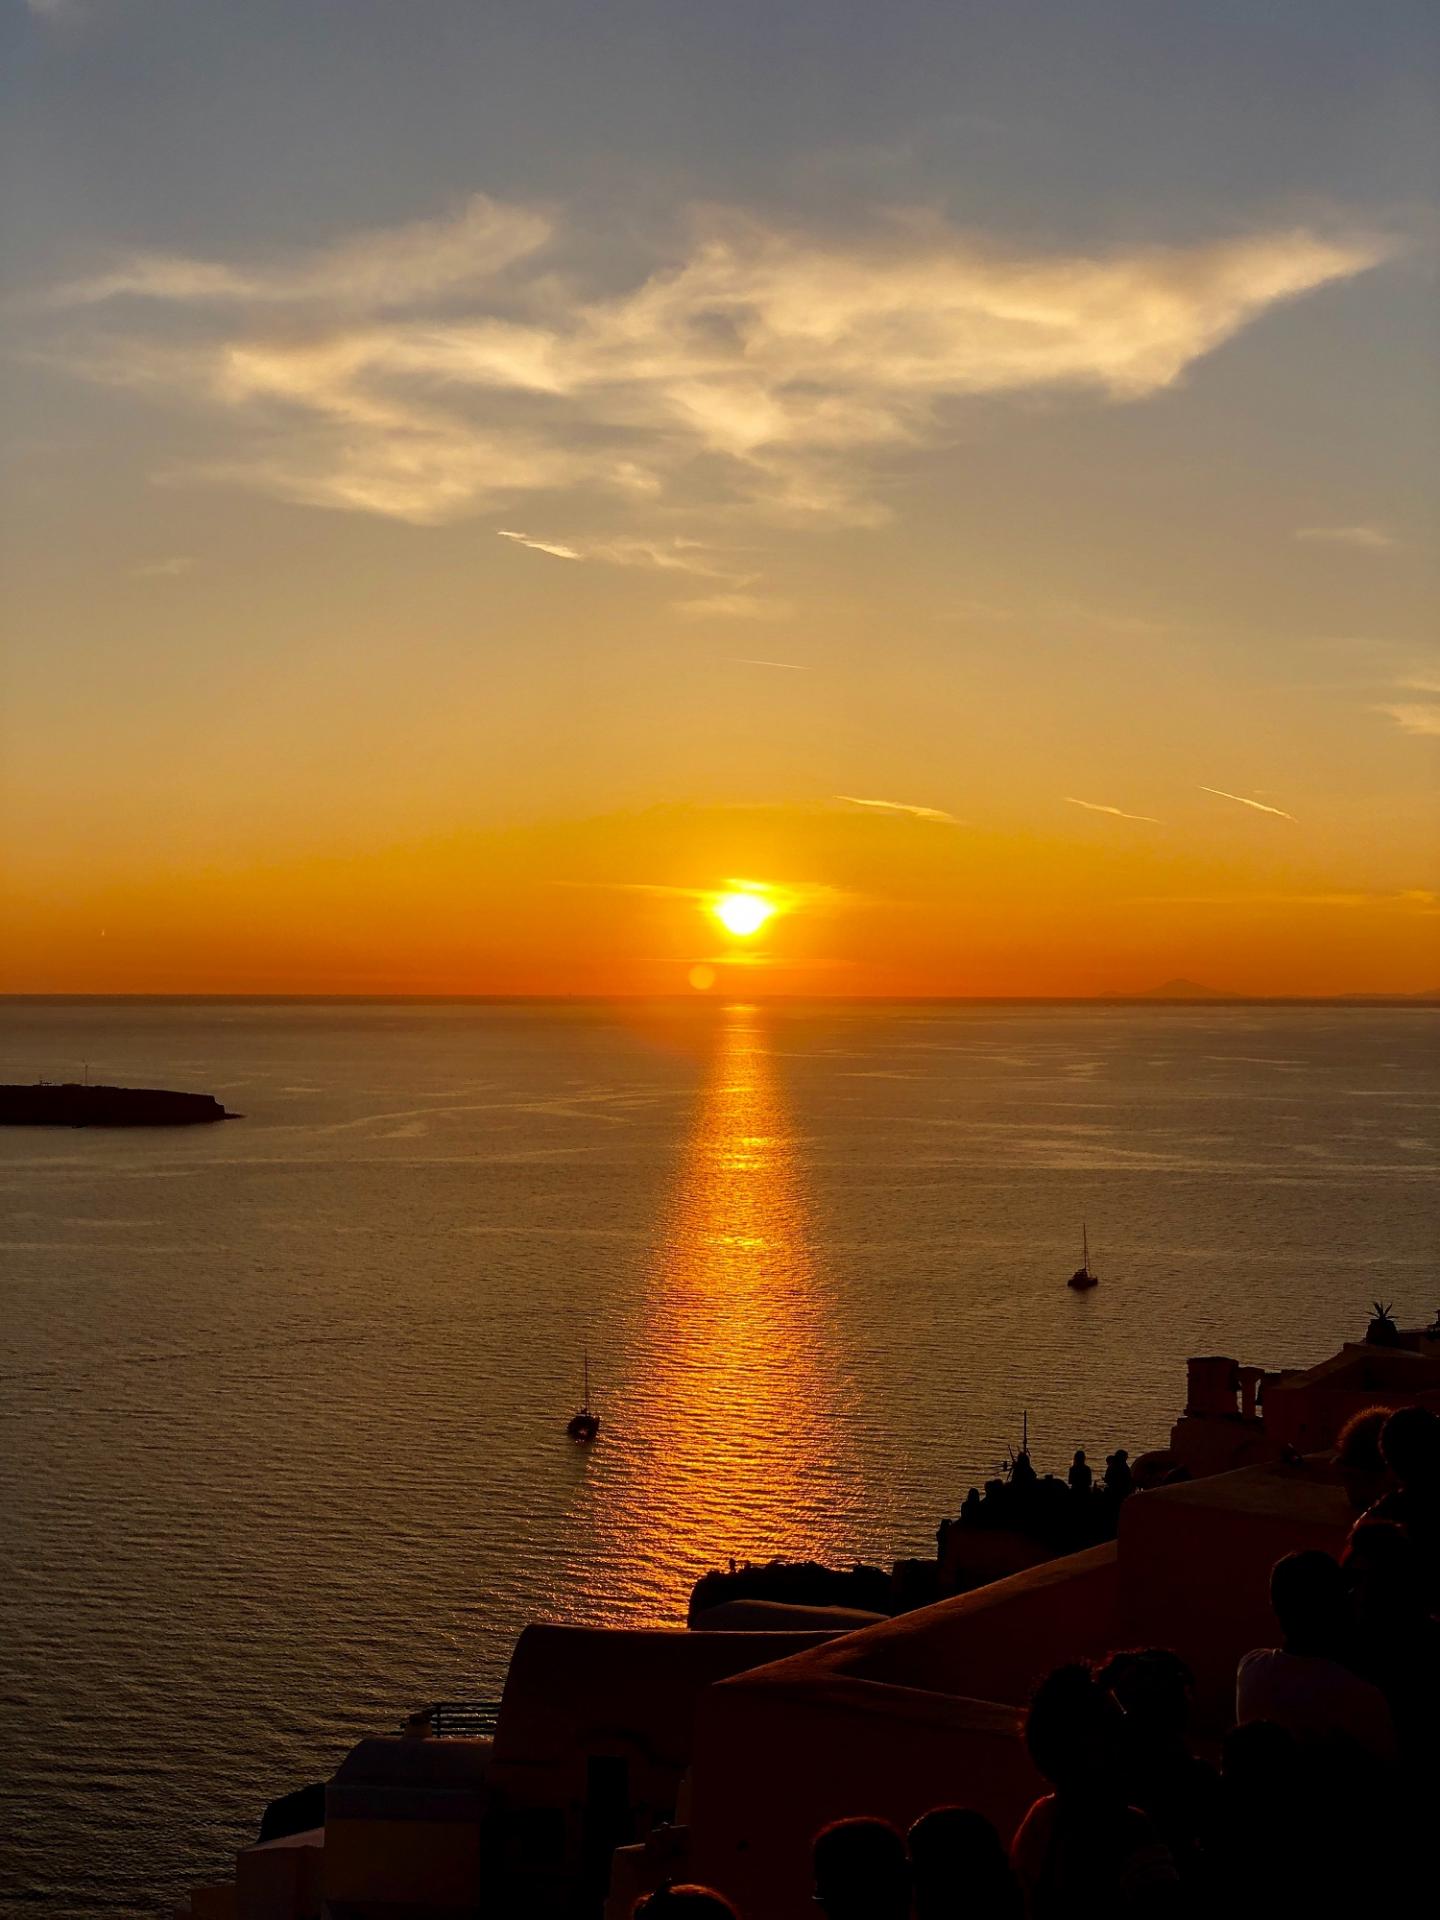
point(73, 1105)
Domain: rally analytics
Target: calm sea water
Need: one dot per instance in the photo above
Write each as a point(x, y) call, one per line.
point(282, 1402)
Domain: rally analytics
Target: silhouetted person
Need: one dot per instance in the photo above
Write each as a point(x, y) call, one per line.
point(1082, 1850)
point(1159, 1773)
point(1119, 1481)
point(1353, 1838)
point(1398, 1640)
point(1080, 1477)
point(1259, 1854)
point(1022, 1471)
point(992, 1511)
point(970, 1507)
point(861, 1871)
point(960, 1869)
point(1051, 1509)
point(1410, 1447)
point(1304, 1684)
point(684, 1903)
point(1358, 1460)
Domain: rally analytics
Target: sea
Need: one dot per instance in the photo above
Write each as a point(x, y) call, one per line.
point(283, 1400)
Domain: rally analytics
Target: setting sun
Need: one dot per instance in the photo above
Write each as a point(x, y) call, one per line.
point(742, 913)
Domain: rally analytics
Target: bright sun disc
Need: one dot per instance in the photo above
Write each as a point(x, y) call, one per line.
point(742, 913)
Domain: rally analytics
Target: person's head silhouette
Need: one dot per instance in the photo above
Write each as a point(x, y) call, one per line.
point(861, 1871)
point(959, 1865)
point(1308, 1598)
point(1152, 1687)
point(1410, 1446)
point(1071, 1732)
point(683, 1903)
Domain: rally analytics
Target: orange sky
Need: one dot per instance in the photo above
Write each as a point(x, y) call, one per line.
point(973, 476)
point(867, 902)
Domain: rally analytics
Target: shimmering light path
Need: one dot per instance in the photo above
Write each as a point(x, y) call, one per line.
point(732, 1440)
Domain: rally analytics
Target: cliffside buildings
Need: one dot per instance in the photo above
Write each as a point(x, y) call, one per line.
point(622, 1758)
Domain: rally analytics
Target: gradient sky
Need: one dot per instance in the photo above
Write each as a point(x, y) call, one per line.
point(480, 480)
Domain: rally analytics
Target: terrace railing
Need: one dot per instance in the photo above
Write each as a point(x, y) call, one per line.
point(455, 1720)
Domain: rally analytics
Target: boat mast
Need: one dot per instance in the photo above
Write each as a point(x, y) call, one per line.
point(1085, 1247)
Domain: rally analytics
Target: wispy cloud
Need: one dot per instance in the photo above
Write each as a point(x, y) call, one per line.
point(430, 371)
point(70, 13)
point(1413, 716)
point(1094, 806)
point(675, 555)
point(1241, 801)
point(936, 814)
point(1368, 539)
point(169, 569)
point(383, 270)
point(790, 666)
point(538, 546)
point(659, 890)
point(735, 606)
point(783, 896)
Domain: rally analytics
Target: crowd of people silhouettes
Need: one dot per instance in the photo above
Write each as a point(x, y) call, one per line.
point(1062, 1514)
point(1327, 1785)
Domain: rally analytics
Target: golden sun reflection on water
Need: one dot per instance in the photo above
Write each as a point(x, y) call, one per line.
point(736, 1444)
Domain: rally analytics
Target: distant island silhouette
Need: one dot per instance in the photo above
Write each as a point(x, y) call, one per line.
point(72, 1104)
point(1176, 990)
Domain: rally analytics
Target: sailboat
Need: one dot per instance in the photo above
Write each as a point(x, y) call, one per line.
point(583, 1426)
point(1083, 1278)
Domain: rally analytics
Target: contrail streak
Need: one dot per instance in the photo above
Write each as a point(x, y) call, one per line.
point(1094, 806)
point(901, 806)
point(1240, 800)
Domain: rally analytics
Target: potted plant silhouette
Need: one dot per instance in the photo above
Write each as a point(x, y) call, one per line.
point(1382, 1330)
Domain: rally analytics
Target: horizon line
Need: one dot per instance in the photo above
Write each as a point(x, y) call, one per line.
point(1141, 996)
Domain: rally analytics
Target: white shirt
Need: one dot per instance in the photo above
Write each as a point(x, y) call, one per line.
point(1309, 1694)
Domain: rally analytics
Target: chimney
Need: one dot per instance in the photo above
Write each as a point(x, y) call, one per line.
point(1210, 1387)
